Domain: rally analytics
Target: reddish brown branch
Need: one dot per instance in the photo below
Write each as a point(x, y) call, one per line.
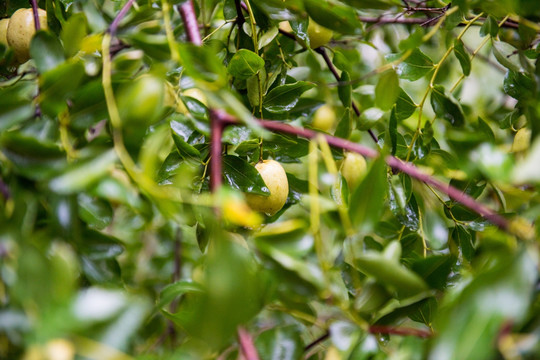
point(189, 18)
point(247, 348)
point(35, 12)
point(392, 161)
point(114, 25)
point(216, 132)
point(403, 331)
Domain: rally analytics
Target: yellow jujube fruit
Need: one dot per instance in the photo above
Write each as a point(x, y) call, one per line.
point(21, 29)
point(318, 35)
point(324, 118)
point(275, 178)
point(3, 31)
point(353, 169)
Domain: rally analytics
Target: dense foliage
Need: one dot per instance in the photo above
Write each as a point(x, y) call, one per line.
point(114, 246)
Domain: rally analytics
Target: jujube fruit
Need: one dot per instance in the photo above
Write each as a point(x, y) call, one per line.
point(324, 118)
point(318, 35)
point(275, 178)
point(21, 29)
point(353, 169)
point(3, 31)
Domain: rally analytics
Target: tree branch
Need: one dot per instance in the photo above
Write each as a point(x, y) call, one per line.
point(35, 12)
point(216, 132)
point(403, 331)
point(247, 348)
point(240, 15)
point(190, 22)
point(395, 163)
point(420, 21)
point(121, 14)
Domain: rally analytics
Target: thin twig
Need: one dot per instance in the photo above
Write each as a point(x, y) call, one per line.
point(247, 348)
point(419, 21)
point(189, 18)
point(121, 14)
point(395, 163)
point(317, 341)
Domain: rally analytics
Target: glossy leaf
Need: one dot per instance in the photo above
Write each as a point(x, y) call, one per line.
point(387, 90)
point(463, 57)
point(240, 175)
point(284, 97)
point(244, 64)
point(446, 107)
point(47, 51)
point(333, 16)
point(413, 67)
point(365, 214)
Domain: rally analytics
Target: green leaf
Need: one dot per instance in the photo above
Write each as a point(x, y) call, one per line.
point(463, 57)
point(435, 270)
point(14, 110)
point(365, 214)
point(387, 90)
point(472, 321)
point(73, 33)
point(489, 27)
point(507, 55)
point(184, 138)
point(284, 97)
point(406, 211)
point(58, 84)
point(414, 67)
point(446, 107)
point(464, 241)
point(519, 85)
point(32, 158)
point(405, 106)
point(334, 16)
point(244, 64)
point(280, 343)
point(203, 63)
point(46, 50)
point(390, 273)
point(81, 176)
point(239, 174)
point(172, 291)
